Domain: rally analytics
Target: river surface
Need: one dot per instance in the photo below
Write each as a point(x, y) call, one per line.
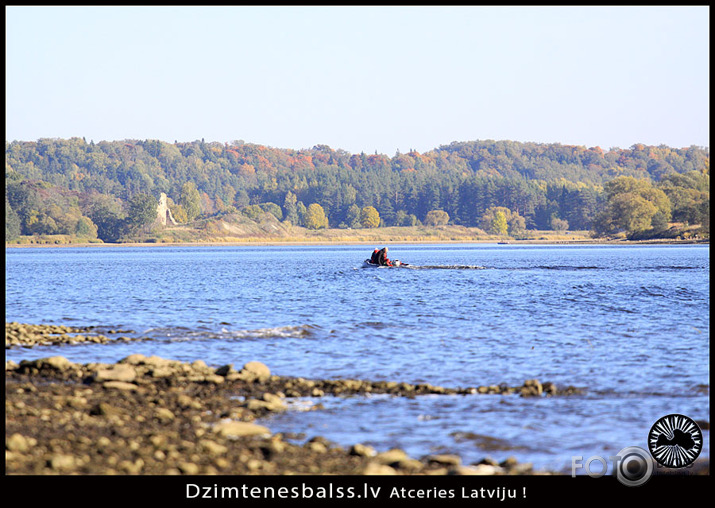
point(629, 324)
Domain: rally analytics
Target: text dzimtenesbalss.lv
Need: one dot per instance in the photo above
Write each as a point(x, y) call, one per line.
point(303, 491)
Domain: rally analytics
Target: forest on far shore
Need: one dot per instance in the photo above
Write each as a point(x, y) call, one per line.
point(108, 191)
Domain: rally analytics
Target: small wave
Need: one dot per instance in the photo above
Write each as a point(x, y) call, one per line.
point(616, 310)
point(281, 331)
point(488, 443)
point(673, 268)
point(446, 267)
point(303, 404)
point(180, 334)
point(377, 325)
point(677, 293)
point(651, 291)
point(701, 389)
point(695, 391)
point(554, 267)
point(558, 267)
point(168, 330)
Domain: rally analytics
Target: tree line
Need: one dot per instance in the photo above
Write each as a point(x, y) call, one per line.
point(106, 189)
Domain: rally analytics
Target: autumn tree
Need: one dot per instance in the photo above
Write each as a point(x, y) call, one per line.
point(436, 218)
point(659, 222)
point(253, 212)
point(315, 217)
point(516, 224)
point(273, 209)
point(190, 199)
point(369, 217)
point(558, 224)
point(177, 211)
point(499, 220)
point(86, 228)
point(498, 224)
point(688, 194)
point(631, 206)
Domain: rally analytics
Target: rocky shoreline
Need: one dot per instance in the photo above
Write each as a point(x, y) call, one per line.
point(149, 415)
point(155, 416)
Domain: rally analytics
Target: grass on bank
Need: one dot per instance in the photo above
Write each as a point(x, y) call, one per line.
point(237, 228)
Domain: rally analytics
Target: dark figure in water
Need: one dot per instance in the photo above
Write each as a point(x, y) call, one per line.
point(373, 258)
point(379, 257)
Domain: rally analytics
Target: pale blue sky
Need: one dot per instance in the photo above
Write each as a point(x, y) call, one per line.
point(360, 78)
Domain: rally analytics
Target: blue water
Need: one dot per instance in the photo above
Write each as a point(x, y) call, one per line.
point(630, 324)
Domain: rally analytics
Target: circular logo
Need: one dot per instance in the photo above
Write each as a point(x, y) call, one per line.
point(634, 467)
point(675, 441)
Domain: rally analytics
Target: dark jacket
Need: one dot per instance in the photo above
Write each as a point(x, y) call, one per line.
point(382, 257)
point(373, 258)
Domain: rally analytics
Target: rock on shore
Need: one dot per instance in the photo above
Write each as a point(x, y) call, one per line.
point(30, 335)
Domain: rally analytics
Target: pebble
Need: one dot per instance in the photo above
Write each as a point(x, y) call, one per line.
point(317, 446)
point(119, 372)
point(58, 362)
point(189, 468)
point(164, 415)
point(374, 468)
point(509, 462)
point(446, 459)
point(409, 465)
point(362, 450)
point(481, 469)
point(255, 371)
point(391, 456)
point(17, 443)
point(212, 447)
point(262, 405)
point(239, 429)
point(103, 409)
point(61, 462)
point(120, 385)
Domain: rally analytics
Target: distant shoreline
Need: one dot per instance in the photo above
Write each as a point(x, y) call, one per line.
point(308, 243)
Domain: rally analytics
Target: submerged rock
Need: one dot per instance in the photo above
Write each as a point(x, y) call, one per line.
point(29, 335)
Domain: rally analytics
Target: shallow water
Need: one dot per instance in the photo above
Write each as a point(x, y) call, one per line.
point(628, 323)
